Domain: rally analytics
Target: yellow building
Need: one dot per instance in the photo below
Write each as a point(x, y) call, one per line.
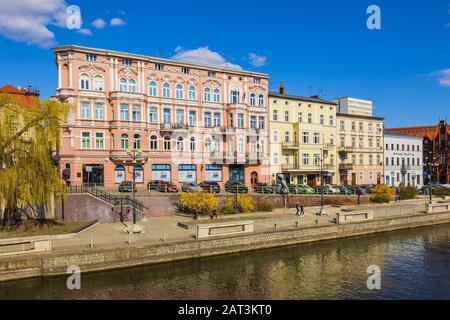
point(302, 138)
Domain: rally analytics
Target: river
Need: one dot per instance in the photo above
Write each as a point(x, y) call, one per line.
point(415, 264)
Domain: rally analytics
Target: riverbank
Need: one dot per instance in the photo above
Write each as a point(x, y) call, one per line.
point(139, 254)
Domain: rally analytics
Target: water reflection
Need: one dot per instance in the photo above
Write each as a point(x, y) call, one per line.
point(414, 265)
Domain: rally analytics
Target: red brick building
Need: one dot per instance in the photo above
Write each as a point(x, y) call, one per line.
point(436, 146)
point(28, 96)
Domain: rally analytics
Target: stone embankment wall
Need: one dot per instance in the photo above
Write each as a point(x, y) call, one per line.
point(55, 264)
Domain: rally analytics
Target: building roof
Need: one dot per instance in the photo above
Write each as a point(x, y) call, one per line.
point(28, 97)
point(401, 135)
point(295, 97)
point(155, 59)
point(358, 116)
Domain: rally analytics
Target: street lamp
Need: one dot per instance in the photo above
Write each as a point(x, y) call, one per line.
point(430, 165)
point(321, 160)
point(134, 154)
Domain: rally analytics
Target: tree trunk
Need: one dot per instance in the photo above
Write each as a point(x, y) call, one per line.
point(9, 217)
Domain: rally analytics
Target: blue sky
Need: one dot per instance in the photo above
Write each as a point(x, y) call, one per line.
point(313, 46)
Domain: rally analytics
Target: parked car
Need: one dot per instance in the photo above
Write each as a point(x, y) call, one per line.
point(210, 186)
point(294, 189)
point(343, 190)
point(304, 188)
point(327, 189)
point(126, 186)
point(236, 186)
point(166, 186)
point(356, 189)
point(190, 187)
point(153, 185)
point(263, 188)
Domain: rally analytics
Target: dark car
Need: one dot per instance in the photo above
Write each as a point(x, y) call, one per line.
point(343, 190)
point(236, 187)
point(294, 189)
point(278, 188)
point(190, 187)
point(263, 188)
point(210, 186)
point(126, 186)
point(165, 186)
point(153, 185)
point(355, 190)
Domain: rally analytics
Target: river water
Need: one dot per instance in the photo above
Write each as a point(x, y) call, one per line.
point(415, 264)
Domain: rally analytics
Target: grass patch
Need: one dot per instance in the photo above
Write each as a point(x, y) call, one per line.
point(31, 228)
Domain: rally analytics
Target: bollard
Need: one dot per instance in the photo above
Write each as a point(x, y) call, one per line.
point(164, 236)
point(275, 225)
point(91, 241)
point(317, 221)
point(298, 222)
point(130, 238)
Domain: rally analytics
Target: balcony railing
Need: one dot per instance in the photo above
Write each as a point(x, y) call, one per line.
point(174, 126)
point(290, 145)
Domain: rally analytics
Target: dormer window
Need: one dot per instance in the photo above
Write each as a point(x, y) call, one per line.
point(184, 70)
point(159, 66)
point(127, 62)
point(91, 57)
point(257, 80)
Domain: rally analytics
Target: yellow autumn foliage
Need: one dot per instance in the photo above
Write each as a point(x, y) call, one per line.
point(244, 202)
point(198, 203)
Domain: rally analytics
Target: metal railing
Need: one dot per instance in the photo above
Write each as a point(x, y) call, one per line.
point(109, 198)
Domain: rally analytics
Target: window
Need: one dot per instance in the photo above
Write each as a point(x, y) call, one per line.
point(316, 138)
point(211, 74)
point(275, 115)
point(131, 86)
point(85, 110)
point(261, 147)
point(166, 90)
point(184, 70)
point(353, 126)
point(261, 100)
point(216, 95)
point(180, 144)
point(152, 89)
point(252, 99)
point(136, 113)
point(207, 120)
point(240, 120)
point(353, 142)
point(331, 121)
point(179, 91)
point(287, 136)
point(370, 127)
point(98, 83)
point(300, 117)
point(127, 62)
point(262, 122)
point(137, 142)
point(99, 141)
point(152, 115)
point(123, 85)
point(192, 144)
point(166, 116)
point(207, 145)
point(217, 145)
point(192, 118)
point(124, 112)
point(217, 120)
point(192, 93)
point(84, 82)
point(180, 116)
point(309, 118)
point(124, 142)
point(234, 96)
point(275, 136)
point(241, 145)
point(321, 119)
point(332, 139)
point(153, 143)
point(342, 126)
point(257, 80)
point(305, 159)
point(99, 113)
point(253, 122)
point(159, 66)
point(85, 140)
point(91, 57)
point(207, 94)
point(305, 137)
point(275, 158)
point(286, 116)
point(361, 126)
point(361, 160)
point(166, 143)
point(253, 147)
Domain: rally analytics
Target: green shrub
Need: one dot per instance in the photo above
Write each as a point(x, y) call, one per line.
point(382, 194)
point(226, 210)
point(264, 207)
point(408, 193)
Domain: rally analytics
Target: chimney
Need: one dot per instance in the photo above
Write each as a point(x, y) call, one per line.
point(282, 87)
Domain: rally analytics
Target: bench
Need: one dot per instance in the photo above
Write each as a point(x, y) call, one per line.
point(25, 245)
point(348, 217)
point(224, 229)
point(439, 207)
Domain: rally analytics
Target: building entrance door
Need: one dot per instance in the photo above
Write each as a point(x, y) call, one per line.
point(93, 175)
point(353, 178)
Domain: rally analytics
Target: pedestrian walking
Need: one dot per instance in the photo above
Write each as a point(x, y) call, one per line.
point(302, 210)
point(297, 206)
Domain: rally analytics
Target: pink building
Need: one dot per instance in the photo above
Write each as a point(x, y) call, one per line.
point(185, 122)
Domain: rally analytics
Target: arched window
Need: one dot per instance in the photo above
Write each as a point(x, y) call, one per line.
point(154, 143)
point(207, 145)
point(166, 90)
point(179, 91)
point(217, 144)
point(252, 99)
point(180, 144)
point(192, 144)
point(261, 147)
point(98, 83)
point(216, 95)
point(152, 89)
point(241, 145)
point(124, 142)
point(123, 85)
point(261, 100)
point(167, 143)
point(84, 82)
point(253, 146)
point(137, 142)
point(192, 93)
point(131, 86)
point(234, 96)
point(207, 94)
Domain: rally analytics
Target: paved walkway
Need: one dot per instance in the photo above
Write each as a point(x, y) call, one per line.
point(159, 230)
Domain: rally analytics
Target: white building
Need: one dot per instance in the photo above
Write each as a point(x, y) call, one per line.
point(403, 164)
point(354, 106)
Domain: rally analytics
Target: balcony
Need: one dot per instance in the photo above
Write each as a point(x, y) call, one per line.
point(174, 127)
point(345, 148)
point(346, 166)
point(290, 145)
point(328, 146)
point(307, 168)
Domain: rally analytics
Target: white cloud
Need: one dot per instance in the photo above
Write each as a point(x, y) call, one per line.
point(256, 60)
point(99, 23)
point(85, 32)
point(28, 20)
point(203, 55)
point(443, 77)
point(117, 22)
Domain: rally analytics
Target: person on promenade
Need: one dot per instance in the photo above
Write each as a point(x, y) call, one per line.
point(302, 210)
point(297, 206)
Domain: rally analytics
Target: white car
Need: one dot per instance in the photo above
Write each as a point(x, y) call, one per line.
point(330, 189)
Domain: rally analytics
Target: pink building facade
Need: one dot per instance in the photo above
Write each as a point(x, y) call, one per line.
point(170, 120)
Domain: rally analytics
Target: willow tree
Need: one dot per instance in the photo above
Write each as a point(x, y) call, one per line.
point(29, 177)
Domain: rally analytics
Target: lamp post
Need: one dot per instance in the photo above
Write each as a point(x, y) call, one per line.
point(430, 165)
point(321, 160)
point(134, 154)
